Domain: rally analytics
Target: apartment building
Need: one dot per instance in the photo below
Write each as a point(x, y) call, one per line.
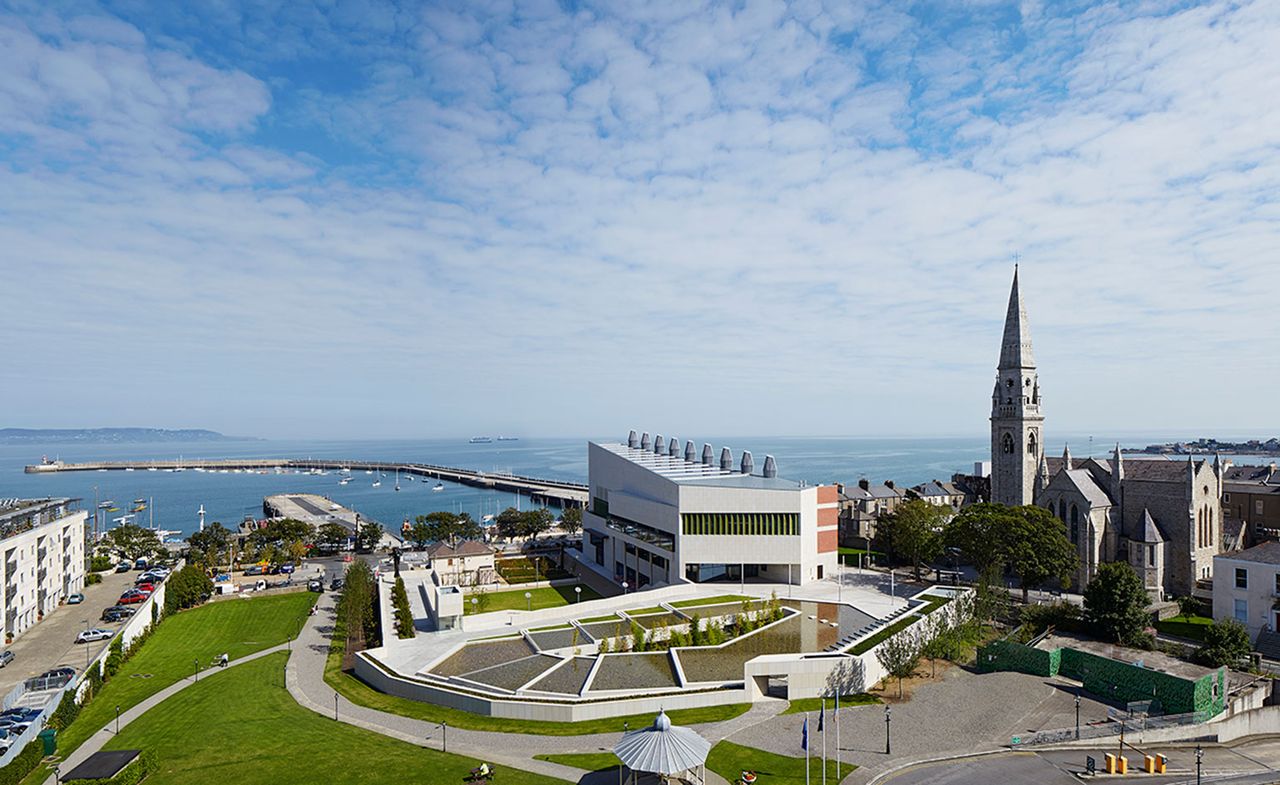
point(44, 558)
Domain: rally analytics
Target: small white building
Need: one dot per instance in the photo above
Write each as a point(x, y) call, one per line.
point(43, 545)
point(469, 563)
point(1246, 587)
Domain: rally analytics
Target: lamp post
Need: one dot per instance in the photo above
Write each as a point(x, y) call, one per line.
point(335, 707)
point(57, 775)
point(85, 622)
point(444, 737)
point(475, 606)
point(577, 590)
point(1077, 716)
point(887, 748)
point(624, 587)
point(528, 601)
point(1199, 755)
point(197, 671)
point(117, 720)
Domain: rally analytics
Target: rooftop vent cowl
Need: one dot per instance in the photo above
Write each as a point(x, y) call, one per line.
point(690, 452)
point(644, 441)
point(770, 466)
point(673, 449)
point(726, 459)
point(748, 465)
point(633, 441)
point(659, 444)
point(708, 455)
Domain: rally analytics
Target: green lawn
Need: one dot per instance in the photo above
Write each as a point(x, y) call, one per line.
point(606, 617)
point(545, 597)
point(237, 627)
point(242, 726)
point(802, 705)
point(646, 611)
point(587, 761)
point(933, 603)
point(729, 760)
point(1192, 627)
point(719, 599)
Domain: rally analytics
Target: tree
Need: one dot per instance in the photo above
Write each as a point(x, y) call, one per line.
point(357, 609)
point(186, 588)
point(400, 607)
point(508, 523)
point(444, 526)
point(1225, 643)
point(899, 655)
point(535, 522)
point(1115, 603)
point(571, 521)
point(912, 532)
point(1189, 606)
point(368, 536)
point(332, 534)
point(132, 542)
point(280, 534)
point(208, 546)
point(978, 532)
point(1036, 546)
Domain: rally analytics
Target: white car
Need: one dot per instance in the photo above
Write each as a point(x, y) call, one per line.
point(95, 634)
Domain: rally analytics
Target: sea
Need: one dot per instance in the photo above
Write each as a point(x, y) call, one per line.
point(173, 498)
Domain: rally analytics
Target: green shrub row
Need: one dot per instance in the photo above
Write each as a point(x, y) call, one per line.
point(23, 763)
point(401, 610)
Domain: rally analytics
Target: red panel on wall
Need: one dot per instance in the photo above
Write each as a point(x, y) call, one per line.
point(828, 494)
point(829, 516)
point(828, 540)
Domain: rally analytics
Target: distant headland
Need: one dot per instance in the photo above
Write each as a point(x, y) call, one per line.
point(1211, 446)
point(113, 435)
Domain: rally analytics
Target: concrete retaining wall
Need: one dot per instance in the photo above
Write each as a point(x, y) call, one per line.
point(134, 627)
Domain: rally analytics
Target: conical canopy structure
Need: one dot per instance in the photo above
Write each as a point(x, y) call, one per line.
point(662, 748)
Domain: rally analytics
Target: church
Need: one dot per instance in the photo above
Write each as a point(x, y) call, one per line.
point(1162, 517)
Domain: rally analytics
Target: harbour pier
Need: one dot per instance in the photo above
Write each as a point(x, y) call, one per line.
point(556, 493)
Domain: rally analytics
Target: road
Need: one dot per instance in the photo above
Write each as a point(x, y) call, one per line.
point(51, 642)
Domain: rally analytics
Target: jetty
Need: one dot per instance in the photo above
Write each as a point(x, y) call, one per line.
point(557, 493)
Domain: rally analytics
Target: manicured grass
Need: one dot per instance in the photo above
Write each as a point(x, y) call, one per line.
point(606, 617)
point(242, 726)
point(646, 611)
point(802, 705)
point(719, 599)
point(1192, 627)
point(551, 627)
point(729, 760)
point(587, 761)
point(933, 603)
point(544, 597)
point(237, 627)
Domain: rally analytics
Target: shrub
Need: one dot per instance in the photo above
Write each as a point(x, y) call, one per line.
point(1225, 643)
point(401, 610)
point(1189, 606)
point(92, 578)
point(100, 563)
point(22, 764)
point(187, 588)
point(66, 712)
point(1115, 604)
point(1060, 615)
point(115, 657)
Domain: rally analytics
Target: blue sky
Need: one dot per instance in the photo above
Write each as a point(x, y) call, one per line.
point(381, 219)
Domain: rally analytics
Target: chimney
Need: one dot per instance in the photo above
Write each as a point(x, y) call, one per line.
point(864, 484)
point(889, 484)
point(659, 444)
point(690, 453)
point(726, 459)
point(748, 465)
point(633, 441)
point(708, 455)
point(673, 449)
point(770, 466)
point(645, 444)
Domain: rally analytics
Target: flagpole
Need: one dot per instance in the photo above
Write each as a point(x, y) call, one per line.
point(836, 717)
point(807, 745)
point(824, 741)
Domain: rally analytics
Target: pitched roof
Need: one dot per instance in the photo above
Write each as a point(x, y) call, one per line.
point(1015, 346)
point(1157, 470)
point(1258, 474)
point(1088, 487)
point(1150, 529)
point(872, 491)
point(442, 550)
point(1266, 553)
point(936, 488)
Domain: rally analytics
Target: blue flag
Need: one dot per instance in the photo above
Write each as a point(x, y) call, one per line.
point(804, 734)
point(822, 716)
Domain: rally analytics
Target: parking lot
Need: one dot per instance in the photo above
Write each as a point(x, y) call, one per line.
point(51, 642)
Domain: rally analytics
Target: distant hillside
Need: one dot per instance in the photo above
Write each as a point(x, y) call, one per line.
point(110, 435)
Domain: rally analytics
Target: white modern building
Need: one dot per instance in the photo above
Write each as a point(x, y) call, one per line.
point(1246, 587)
point(43, 544)
point(661, 515)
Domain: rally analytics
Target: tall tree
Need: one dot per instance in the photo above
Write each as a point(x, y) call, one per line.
point(571, 521)
point(912, 532)
point(368, 536)
point(209, 546)
point(1036, 546)
point(1115, 603)
point(1226, 642)
point(447, 527)
point(979, 533)
point(899, 655)
point(508, 523)
point(132, 542)
point(332, 534)
point(535, 522)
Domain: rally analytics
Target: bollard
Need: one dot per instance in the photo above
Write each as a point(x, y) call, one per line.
point(1149, 764)
point(1111, 762)
point(1122, 765)
point(1161, 762)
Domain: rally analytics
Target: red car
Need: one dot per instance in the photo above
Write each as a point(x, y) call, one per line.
point(130, 598)
point(146, 587)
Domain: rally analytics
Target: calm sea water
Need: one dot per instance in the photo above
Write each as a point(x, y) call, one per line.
point(175, 497)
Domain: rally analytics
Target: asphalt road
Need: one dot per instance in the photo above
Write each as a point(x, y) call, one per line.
point(51, 642)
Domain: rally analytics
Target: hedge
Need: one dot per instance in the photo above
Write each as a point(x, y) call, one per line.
point(23, 763)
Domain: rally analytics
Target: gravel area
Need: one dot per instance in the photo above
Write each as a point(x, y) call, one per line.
point(659, 620)
point(475, 656)
point(725, 664)
point(635, 671)
point(512, 675)
point(558, 639)
point(607, 629)
point(567, 679)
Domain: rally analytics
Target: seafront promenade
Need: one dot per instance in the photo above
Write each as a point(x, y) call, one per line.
point(555, 492)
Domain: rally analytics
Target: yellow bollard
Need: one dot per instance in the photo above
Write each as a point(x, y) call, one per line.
point(1111, 762)
point(1161, 762)
point(1149, 764)
point(1122, 763)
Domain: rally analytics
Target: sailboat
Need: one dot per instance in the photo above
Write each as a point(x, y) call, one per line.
point(397, 478)
point(377, 481)
point(438, 487)
point(344, 481)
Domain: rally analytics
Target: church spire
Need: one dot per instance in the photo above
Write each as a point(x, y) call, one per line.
point(1015, 348)
point(1066, 459)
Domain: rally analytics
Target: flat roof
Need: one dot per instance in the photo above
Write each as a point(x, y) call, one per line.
point(678, 470)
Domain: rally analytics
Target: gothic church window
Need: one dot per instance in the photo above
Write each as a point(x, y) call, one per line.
point(1075, 524)
point(1007, 444)
point(1031, 444)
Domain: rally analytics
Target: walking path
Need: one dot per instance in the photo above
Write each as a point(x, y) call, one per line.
point(98, 740)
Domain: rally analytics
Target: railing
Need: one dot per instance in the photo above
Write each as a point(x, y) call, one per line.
point(1113, 727)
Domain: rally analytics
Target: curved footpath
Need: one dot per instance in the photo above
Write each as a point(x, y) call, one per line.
point(99, 739)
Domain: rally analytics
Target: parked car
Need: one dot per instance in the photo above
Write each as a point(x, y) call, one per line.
point(24, 714)
point(122, 566)
point(6, 657)
point(254, 569)
point(316, 585)
point(65, 672)
point(151, 577)
point(95, 634)
point(131, 597)
point(287, 569)
point(75, 599)
point(149, 588)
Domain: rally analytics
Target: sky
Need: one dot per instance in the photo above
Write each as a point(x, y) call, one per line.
point(375, 219)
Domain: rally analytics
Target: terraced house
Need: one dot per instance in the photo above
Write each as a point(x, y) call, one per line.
point(43, 545)
point(661, 514)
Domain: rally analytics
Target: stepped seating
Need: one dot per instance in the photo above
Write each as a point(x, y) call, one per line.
point(867, 630)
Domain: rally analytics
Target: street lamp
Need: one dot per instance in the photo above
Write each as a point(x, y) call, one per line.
point(57, 775)
point(624, 587)
point(197, 672)
point(887, 712)
point(1077, 716)
point(85, 622)
point(577, 590)
point(117, 720)
point(528, 600)
point(335, 707)
point(475, 605)
point(1199, 755)
point(444, 737)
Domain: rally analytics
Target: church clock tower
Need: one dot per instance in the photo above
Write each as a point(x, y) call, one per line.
point(1017, 433)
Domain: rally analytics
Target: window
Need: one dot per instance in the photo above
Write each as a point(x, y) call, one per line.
point(1007, 444)
point(772, 524)
point(1257, 506)
point(1242, 611)
point(1278, 583)
point(1031, 444)
point(1242, 578)
point(1226, 497)
point(1151, 555)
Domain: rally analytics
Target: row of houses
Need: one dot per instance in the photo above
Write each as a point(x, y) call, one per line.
point(862, 504)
